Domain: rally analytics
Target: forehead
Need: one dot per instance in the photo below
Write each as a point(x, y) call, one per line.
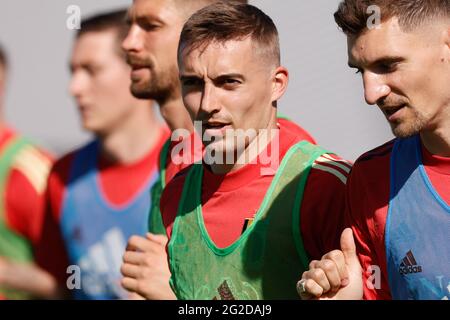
point(164, 10)
point(95, 45)
point(221, 56)
point(386, 41)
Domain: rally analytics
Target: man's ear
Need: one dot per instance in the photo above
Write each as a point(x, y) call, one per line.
point(280, 82)
point(446, 39)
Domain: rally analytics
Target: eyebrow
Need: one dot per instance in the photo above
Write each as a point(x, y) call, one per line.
point(230, 75)
point(132, 17)
point(381, 60)
point(220, 77)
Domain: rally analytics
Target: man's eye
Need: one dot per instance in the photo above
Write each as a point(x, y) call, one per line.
point(230, 83)
point(90, 70)
point(149, 26)
point(93, 70)
point(387, 67)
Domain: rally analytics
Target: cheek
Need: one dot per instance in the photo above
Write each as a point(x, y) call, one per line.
point(242, 107)
point(428, 80)
point(117, 81)
point(192, 102)
point(163, 48)
point(421, 88)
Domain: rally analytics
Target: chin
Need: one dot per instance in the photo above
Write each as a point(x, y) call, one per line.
point(406, 130)
point(141, 91)
point(90, 127)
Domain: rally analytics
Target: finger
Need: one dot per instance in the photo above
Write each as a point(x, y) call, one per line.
point(331, 272)
point(319, 277)
point(134, 243)
point(129, 284)
point(158, 238)
point(309, 290)
point(312, 264)
point(138, 243)
point(129, 270)
point(348, 247)
point(135, 296)
point(133, 257)
point(338, 258)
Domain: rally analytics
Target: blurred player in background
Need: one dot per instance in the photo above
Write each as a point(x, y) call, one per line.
point(99, 194)
point(23, 176)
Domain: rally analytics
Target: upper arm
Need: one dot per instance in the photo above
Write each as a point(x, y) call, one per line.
point(366, 211)
point(24, 192)
point(323, 205)
point(170, 200)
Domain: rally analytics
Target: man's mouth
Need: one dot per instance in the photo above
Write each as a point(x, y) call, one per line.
point(219, 126)
point(393, 113)
point(139, 66)
point(137, 72)
point(83, 109)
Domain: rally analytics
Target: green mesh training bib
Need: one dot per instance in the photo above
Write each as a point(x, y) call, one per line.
point(12, 245)
point(266, 261)
point(155, 223)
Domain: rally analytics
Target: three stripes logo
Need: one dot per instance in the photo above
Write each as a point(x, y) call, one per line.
point(409, 264)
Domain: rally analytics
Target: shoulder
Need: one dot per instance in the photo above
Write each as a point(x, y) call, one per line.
point(33, 164)
point(377, 153)
point(175, 187)
point(332, 167)
point(372, 166)
point(63, 164)
point(368, 193)
point(326, 182)
point(60, 172)
point(170, 199)
point(294, 128)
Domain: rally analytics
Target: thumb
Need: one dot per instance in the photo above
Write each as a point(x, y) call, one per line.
point(348, 247)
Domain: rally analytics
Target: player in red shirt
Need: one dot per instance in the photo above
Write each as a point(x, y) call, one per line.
point(151, 46)
point(398, 196)
point(232, 193)
point(151, 52)
point(23, 175)
point(98, 194)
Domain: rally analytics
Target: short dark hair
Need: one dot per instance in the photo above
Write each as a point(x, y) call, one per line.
point(3, 58)
point(113, 20)
point(104, 21)
point(222, 22)
point(352, 15)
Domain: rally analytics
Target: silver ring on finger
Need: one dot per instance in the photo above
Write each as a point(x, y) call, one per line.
point(301, 289)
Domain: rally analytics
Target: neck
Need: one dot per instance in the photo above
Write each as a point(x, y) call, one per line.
point(175, 114)
point(133, 138)
point(436, 138)
point(437, 142)
point(251, 152)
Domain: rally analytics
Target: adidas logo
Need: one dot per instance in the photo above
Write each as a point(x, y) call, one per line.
point(409, 264)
